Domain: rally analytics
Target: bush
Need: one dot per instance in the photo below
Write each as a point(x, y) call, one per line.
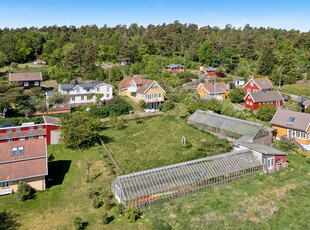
point(198, 105)
point(137, 119)
point(266, 112)
point(132, 214)
point(117, 123)
point(107, 203)
point(97, 201)
point(105, 218)
point(214, 105)
point(286, 146)
point(113, 110)
point(167, 106)
point(142, 104)
point(119, 209)
point(236, 95)
point(79, 224)
point(159, 224)
point(24, 191)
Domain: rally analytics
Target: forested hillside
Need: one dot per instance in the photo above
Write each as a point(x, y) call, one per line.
point(72, 51)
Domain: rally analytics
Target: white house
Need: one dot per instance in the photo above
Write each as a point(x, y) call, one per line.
point(239, 82)
point(79, 92)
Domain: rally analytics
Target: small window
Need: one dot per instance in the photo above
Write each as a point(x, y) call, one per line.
point(40, 127)
point(9, 130)
point(251, 103)
point(17, 151)
point(291, 119)
point(77, 90)
point(82, 98)
point(17, 130)
point(108, 95)
point(279, 161)
point(251, 84)
point(26, 83)
point(297, 134)
point(87, 90)
point(8, 140)
point(31, 128)
point(5, 184)
point(36, 83)
point(31, 138)
point(98, 89)
point(41, 137)
point(303, 135)
point(21, 138)
point(73, 98)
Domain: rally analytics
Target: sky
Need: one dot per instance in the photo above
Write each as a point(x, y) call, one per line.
point(285, 14)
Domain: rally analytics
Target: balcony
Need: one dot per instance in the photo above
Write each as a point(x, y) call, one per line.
point(5, 191)
point(132, 89)
point(158, 99)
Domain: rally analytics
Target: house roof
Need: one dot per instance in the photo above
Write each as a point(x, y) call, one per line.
point(217, 87)
point(263, 83)
point(212, 69)
point(60, 107)
point(175, 65)
point(36, 76)
point(267, 96)
point(306, 102)
point(291, 119)
point(145, 84)
point(51, 120)
point(32, 163)
point(261, 148)
point(19, 134)
point(85, 85)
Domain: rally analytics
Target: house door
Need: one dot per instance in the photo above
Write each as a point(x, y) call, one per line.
point(278, 103)
point(289, 133)
point(270, 163)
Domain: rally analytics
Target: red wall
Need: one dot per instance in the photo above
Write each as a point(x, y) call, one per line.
point(50, 128)
point(252, 88)
point(256, 105)
point(279, 157)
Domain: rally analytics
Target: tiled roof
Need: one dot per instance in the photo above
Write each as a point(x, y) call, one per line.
point(212, 69)
point(60, 107)
point(263, 83)
point(32, 148)
point(267, 96)
point(217, 87)
point(18, 134)
point(174, 65)
point(25, 77)
point(51, 120)
point(145, 83)
point(291, 119)
point(306, 102)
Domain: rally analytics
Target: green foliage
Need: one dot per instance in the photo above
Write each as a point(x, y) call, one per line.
point(79, 223)
point(142, 104)
point(132, 213)
point(79, 130)
point(105, 218)
point(214, 105)
point(97, 201)
point(166, 106)
point(24, 191)
point(111, 109)
point(117, 123)
point(198, 105)
point(138, 119)
point(19, 120)
point(8, 221)
point(268, 59)
point(236, 95)
point(159, 224)
point(266, 112)
point(206, 53)
point(287, 146)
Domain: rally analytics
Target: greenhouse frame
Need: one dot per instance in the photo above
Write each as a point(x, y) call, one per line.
point(229, 127)
point(143, 188)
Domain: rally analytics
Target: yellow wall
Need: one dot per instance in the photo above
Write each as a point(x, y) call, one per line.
point(201, 89)
point(158, 90)
point(38, 183)
point(283, 132)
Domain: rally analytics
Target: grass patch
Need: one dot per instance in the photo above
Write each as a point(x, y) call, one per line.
point(300, 88)
point(156, 142)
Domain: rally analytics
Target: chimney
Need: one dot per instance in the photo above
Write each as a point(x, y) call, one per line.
point(76, 82)
point(24, 71)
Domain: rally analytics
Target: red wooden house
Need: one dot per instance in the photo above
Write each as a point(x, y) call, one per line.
point(212, 72)
point(30, 131)
point(174, 68)
point(257, 84)
point(255, 99)
point(306, 105)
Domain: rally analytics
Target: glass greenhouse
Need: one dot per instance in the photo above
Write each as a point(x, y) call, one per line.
point(227, 126)
point(173, 181)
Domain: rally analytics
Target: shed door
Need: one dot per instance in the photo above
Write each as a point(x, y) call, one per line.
point(55, 137)
point(270, 163)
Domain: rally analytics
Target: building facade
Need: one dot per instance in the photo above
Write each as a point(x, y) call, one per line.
point(213, 72)
point(216, 90)
point(255, 99)
point(175, 68)
point(257, 84)
point(27, 80)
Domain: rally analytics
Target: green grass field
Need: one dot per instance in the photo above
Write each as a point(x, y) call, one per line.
point(300, 88)
point(157, 142)
point(269, 201)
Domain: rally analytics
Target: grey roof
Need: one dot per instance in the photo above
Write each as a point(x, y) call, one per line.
point(85, 85)
point(175, 65)
point(291, 119)
point(306, 102)
point(230, 124)
point(267, 96)
point(51, 120)
point(146, 183)
point(212, 69)
point(261, 148)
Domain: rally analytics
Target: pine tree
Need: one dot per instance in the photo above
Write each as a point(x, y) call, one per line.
point(268, 59)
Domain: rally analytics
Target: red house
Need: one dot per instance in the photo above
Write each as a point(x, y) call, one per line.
point(254, 99)
point(306, 104)
point(30, 131)
point(174, 68)
point(212, 72)
point(257, 84)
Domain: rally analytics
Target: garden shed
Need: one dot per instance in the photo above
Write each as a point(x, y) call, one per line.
point(230, 127)
point(142, 188)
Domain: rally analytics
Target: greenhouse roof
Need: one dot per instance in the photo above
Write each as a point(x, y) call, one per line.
point(165, 179)
point(231, 124)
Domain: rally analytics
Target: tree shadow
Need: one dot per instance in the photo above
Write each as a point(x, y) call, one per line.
point(107, 139)
point(8, 221)
point(56, 172)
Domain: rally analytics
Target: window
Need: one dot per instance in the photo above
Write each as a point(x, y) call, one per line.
point(31, 138)
point(107, 89)
point(77, 90)
point(108, 95)
point(9, 130)
point(21, 138)
point(98, 89)
point(73, 98)
point(41, 137)
point(303, 135)
point(5, 184)
point(31, 128)
point(17, 151)
point(251, 84)
point(36, 83)
point(247, 102)
point(87, 90)
point(40, 127)
point(17, 130)
point(251, 103)
point(279, 161)
point(291, 119)
point(82, 98)
point(8, 140)
point(159, 95)
point(26, 83)
point(249, 90)
point(297, 134)
point(308, 136)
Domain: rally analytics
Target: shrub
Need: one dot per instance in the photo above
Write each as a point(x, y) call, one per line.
point(236, 95)
point(137, 119)
point(107, 203)
point(24, 191)
point(159, 224)
point(117, 123)
point(142, 104)
point(113, 110)
point(79, 224)
point(286, 145)
point(167, 106)
point(97, 201)
point(214, 105)
point(119, 209)
point(266, 112)
point(105, 218)
point(132, 214)
point(198, 105)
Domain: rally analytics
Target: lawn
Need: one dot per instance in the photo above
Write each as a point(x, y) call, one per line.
point(300, 88)
point(157, 142)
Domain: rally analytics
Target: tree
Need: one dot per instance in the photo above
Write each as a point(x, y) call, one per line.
point(10, 94)
point(58, 98)
point(24, 191)
point(78, 130)
point(3, 59)
point(8, 221)
point(206, 53)
point(268, 59)
point(214, 105)
point(288, 63)
point(236, 95)
point(142, 104)
point(266, 112)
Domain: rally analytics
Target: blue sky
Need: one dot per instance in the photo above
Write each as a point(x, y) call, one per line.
point(274, 13)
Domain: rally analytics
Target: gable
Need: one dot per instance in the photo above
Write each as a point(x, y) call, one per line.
point(156, 89)
point(248, 84)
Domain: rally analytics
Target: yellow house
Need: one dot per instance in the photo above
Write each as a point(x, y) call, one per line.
point(293, 125)
point(142, 89)
point(216, 90)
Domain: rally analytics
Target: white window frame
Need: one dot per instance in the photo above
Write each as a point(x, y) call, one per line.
point(22, 138)
point(251, 103)
point(279, 162)
point(31, 138)
point(251, 83)
point(17, 151)
point(82, 98)
point(72, 98)
point(41, 137)
point(5, 184)
point(247, 102)
point(26, 83)
point(36, 83)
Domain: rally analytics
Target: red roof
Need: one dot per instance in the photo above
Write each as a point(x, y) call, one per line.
point(262, 83)
point(145, 83)
point(25, 77)
point(32, 163)
point(18, 134)
point(217, 87)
